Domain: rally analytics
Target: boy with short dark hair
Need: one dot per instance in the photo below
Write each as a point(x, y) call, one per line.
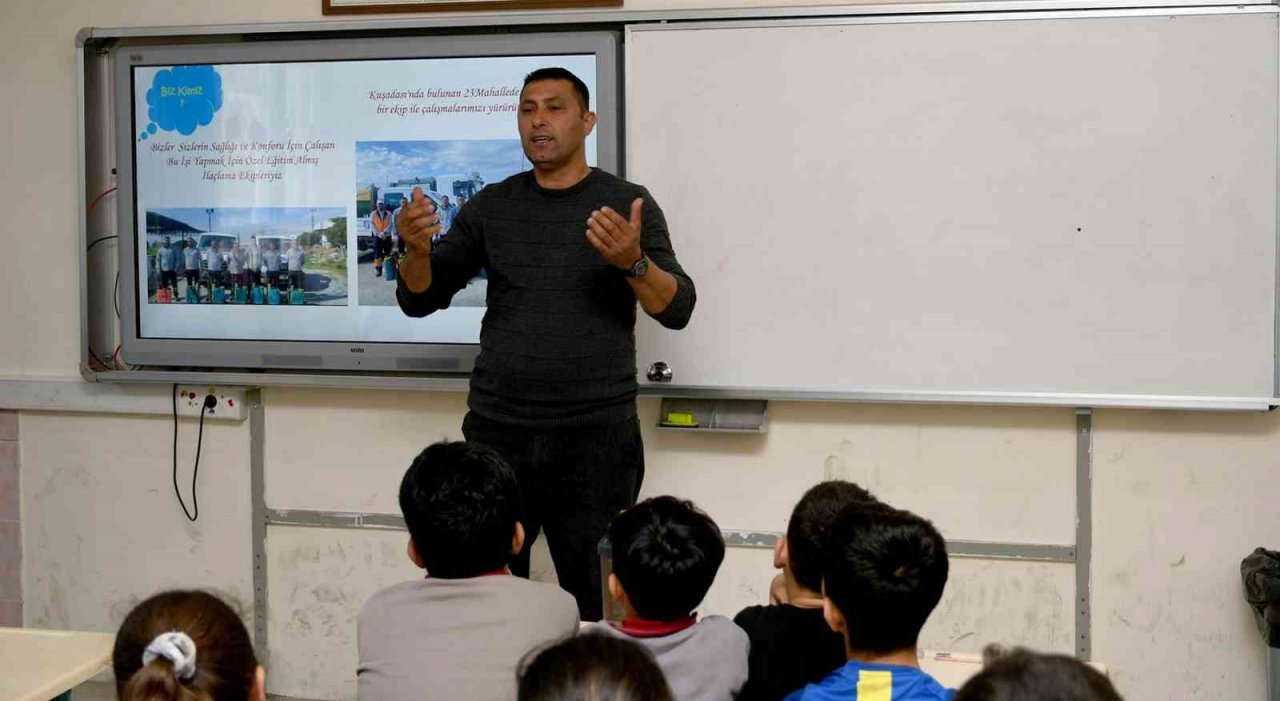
point(1023, 675)
point(665, 556)
point(461, 632)
point(884, 574)
point(791, 643)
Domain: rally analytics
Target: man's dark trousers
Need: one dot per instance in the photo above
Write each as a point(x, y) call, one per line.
point(573, 481)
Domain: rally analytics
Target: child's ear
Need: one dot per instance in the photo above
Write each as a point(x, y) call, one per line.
point(414, 557)
point(517, 539)
point(835, 619)
point(615, 588)
point(781, 554)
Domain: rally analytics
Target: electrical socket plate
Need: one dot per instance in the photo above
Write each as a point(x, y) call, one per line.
point(230, 402)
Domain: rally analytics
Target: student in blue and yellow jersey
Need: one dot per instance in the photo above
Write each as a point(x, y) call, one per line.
point(884, 574)
point(791, 643)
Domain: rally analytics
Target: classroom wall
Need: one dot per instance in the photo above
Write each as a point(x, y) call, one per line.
point(1179, 497)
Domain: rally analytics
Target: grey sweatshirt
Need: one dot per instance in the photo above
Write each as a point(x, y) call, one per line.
point(452, 639)
point(557, 343)
point(704, 662)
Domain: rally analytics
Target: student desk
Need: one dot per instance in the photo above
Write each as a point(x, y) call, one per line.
point(40, 665)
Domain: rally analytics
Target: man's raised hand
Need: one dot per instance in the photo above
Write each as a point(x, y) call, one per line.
point(616, 238)
point(418, 222)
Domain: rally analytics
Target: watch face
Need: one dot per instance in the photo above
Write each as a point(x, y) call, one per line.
point(640, 268)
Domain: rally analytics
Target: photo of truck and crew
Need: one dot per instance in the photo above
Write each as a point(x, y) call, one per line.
point(449, 173)
point(240, 255)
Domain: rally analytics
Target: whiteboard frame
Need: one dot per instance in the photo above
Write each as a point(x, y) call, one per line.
point(906, 396)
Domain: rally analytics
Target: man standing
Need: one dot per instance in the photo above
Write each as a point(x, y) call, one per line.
point(235, 264)
point(380, 220)
point(570, 250)
point(167, 257)
point(252, 263)
point(296, 259)
point(271, 264)
point(215, 266)
point(191, 264)
point(395, 235)
point(448, 213)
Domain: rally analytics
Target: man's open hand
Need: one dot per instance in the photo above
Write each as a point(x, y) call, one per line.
point(617, 239)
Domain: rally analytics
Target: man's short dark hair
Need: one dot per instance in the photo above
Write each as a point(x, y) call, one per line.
point(1029, 676)
point(459, 501)
point(557, 73)
point(666, 553)
point(885, 571)
point(811, 521)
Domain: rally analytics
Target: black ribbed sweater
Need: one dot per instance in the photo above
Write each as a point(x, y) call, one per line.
point(557, 343)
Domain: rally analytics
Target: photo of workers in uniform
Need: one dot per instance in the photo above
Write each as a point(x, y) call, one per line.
point(240, 255)
point(448, 172)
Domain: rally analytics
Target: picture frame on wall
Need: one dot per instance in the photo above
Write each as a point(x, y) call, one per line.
point(362, 7)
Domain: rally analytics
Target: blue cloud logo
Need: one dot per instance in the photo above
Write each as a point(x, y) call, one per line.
point(182, 99)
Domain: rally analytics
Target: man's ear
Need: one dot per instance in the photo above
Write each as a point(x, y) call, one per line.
point(615, 588)
point(517, 539)
point(781, 554)
point(835, 619)
point(414, 557)
point(590, 119)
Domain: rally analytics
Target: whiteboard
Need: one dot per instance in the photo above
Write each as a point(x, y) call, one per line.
point(1079, 204)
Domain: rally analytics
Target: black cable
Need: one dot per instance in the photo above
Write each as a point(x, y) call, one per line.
point(195, 503)
point(115, 298)
point(98, 241)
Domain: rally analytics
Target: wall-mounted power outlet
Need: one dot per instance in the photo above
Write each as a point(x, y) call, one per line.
point(228, 407)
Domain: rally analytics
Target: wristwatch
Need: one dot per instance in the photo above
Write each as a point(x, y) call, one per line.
point(640, 267)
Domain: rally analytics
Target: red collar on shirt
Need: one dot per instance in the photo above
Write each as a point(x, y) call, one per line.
point(642, 628)
point(494, 573)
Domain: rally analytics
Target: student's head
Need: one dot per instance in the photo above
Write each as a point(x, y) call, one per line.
point(593, 667)
point(554, 118)
point(166, 241)
point(462, 199)
point(801, 552)
point(1028, 676)
point(884, 574)
point(445, 200)
point(188, 646)
point(382, 205)
point(459, 501)
point(666, 554)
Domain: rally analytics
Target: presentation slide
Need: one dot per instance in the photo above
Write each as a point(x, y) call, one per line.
point(266, 193)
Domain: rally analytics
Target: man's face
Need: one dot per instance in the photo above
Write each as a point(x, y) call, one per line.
point(553, 124)
point(445, 200)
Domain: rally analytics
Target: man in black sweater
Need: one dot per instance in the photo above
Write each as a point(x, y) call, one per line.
point(569, 251)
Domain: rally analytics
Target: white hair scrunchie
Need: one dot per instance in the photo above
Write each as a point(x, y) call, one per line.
point(178, 648)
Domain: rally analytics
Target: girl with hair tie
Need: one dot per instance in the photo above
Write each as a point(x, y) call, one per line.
point(186, 646)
